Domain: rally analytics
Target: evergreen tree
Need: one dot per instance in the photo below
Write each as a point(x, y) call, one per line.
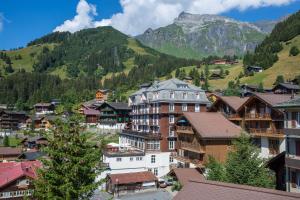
point(260, 87)
point(6, 141)
point(244, 166)
point(70, 170)
point(294, 51)
point(169, 76)
point(216, 171)
point(232, 89)
point(279, 79)
point(177, 73)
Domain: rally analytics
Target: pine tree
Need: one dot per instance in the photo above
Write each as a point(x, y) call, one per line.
point(216, 171)
point(279, 79)
point(71, 167)
point(244, 166)
point(260, 87)
point(294, 51)
point(177, 73)
point(6, 141)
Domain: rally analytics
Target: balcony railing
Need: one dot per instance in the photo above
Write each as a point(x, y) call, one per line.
point(233, 116)
point(258, 116)
point(263, 132)
point(184, 129)
point(189, 160)
point(191, 147)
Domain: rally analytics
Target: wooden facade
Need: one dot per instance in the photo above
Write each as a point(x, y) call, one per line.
point(102, 95)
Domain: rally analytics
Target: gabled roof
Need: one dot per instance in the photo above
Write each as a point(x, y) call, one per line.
point(289, 104)
point(233, 101)
point(213, 190)
point(91, 112)
point(119, 105)
point(212, 125)
point(288, 86)
point(43, 105)
point(184, 175)
point(269, 98)
point(12, 171)
point(10, 151)
point(32, 155)
point(135, 177)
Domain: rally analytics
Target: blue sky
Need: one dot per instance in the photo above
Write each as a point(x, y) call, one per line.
point(25, 20)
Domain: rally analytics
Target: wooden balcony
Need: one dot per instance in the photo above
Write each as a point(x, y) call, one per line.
point(234, 117)
point(197, 148)
point(184, 129)
point(258, 116)
point(263, 132)
point(196, 162)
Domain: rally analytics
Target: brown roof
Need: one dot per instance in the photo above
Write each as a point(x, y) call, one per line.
point(233, 101)
point(136, 177)
point(184, 175)
point(10, 151)
point(212, 190)
point(212, 125)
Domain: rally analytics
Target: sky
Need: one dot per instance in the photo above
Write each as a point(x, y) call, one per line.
point(22, 21)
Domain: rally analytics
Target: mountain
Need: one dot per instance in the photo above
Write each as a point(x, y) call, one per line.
point(197, 36)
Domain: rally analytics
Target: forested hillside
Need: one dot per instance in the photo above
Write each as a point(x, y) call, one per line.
point(265, 54)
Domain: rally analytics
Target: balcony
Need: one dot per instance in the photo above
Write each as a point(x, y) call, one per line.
point(258, 116)
point(233, 117)
point(184, 129)
point(292, 161)
point(196, 162)
point(197, 148)
point(263, 132)
point(140, 134)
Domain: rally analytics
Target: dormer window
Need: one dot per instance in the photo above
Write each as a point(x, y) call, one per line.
point(197, 96)
point(172, 95)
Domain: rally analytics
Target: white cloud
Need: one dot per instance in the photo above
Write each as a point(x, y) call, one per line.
point(138, 15)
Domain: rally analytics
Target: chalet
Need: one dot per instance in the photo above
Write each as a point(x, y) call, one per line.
point(215, 75)
point(201, 135)
point(264, 122)
point(248, 90)
point(286, 88)
point(228, 106)
point(35, 142)
point(102, 95)
point(130, 182)
point(219, 62)
point(12, 120)
point(91, 115)
point(254, 69)
point(208, 190)
point(39, 122)
point(9, 153)
point(44, 108)
point(16, 179)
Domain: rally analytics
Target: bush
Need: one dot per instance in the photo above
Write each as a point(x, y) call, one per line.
point(294, 51)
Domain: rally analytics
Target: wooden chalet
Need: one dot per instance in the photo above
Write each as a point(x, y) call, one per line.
point(35, 142)
point(9, 153)
point(102, 95)
point(219, 62)
point(12, 120)
point(91, 115)
point(40, 122)
point(286, 88)
point(44, 108)
point(16, 179)
point(201, 135)
point(215, 75)
point(254, 69)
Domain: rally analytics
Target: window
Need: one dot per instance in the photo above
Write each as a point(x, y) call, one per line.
point(171, 145)
point(172, 95)
point(184, 95)
point(171, 159)
point(171, 119)
point(131, 158)
point(184, 107)
point(197, 96)
point(155, 171)
point(119, 159)
point(153, 145)
point(152, 158)
point(171, 107)
point(139, 158)
point(171, 131)
point(197, 108)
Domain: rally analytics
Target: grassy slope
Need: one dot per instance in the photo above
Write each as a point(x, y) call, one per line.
point(27, 60)
point(288, 66)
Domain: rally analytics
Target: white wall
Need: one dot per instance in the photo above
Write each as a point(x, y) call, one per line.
point(282, 146)
point(264, 153)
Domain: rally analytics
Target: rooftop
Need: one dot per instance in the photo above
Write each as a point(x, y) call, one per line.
point(123, 153)
point(202, 123)
point(288, 104)
point(213, 190)
point(11, 171)
point(10, 151)
point(288, 86)
point(233, 101)
point(136, 177)
point(184, 175)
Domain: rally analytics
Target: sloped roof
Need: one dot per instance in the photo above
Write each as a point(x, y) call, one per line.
point(91, 112)
point(212, 125)
point(288, 86)
point(10, 151)
point(11, 171)
point(213, 190)
point(32, 155)
point(119, 105)
point(289, 103)
point(184, 175)
point(135, 177)
point(172, 84)
point(233, 101)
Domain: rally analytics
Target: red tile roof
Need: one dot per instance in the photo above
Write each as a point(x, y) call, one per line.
point(136, 177)
point(10, 151)
point(212, 125)
point(213, 190)
point(184, 175)
point(11, 171)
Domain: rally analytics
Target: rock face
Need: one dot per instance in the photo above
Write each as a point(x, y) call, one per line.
point(197, 36)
